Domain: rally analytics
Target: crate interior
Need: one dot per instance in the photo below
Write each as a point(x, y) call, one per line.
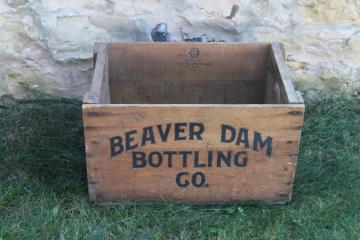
point(193, 73)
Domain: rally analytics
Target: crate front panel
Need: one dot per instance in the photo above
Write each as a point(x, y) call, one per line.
point(192, 153)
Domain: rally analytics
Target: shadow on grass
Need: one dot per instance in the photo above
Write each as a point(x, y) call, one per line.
point(329, 157)
point(44, 139)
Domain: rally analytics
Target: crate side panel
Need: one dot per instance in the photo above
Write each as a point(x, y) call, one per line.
point(188, 92)
point(266, 176)
point(99, 91)
point(280, 76)
point(188, 61)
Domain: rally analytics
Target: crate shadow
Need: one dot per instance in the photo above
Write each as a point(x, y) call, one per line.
point(44, 138)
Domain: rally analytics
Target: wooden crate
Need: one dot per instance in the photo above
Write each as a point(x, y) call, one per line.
point(191, 122)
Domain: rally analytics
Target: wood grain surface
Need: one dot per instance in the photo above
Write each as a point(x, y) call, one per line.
point(265, 178)
point(191, 122)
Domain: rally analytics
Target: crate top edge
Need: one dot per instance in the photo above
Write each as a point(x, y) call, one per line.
point(114, 44)
point(147, 105)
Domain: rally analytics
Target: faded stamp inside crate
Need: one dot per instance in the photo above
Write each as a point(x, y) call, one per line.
point(192, 74)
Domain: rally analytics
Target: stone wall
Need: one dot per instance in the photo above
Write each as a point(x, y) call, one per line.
point(46, 45)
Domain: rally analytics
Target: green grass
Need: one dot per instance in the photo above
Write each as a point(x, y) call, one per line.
point(43, 192)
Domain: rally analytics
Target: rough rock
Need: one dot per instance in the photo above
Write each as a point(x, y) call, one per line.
point(46, 46)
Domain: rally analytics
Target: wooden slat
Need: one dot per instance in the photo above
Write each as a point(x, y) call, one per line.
point(265, 178)
point(191, 92)
point(173, 61)
point(99, 92)
point(282, 76)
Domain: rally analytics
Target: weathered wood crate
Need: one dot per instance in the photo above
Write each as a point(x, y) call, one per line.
point(192, 122)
